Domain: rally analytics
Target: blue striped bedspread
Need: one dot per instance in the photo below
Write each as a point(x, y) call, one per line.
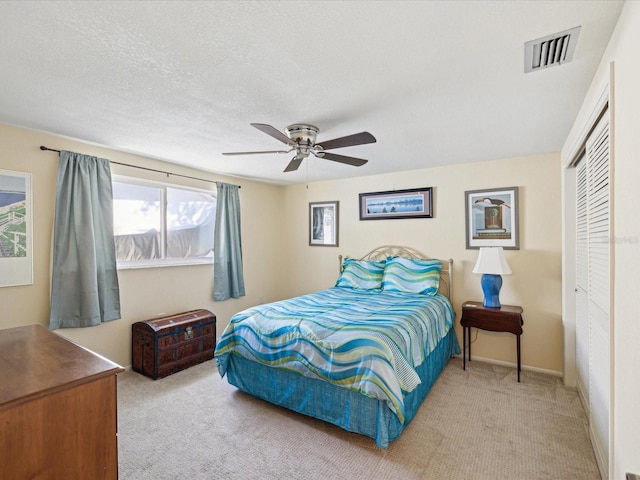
point(369, 341)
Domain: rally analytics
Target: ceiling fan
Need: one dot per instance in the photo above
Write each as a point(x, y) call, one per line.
point(301, 138)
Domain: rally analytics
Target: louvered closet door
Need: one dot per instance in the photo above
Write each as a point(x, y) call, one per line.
point(593, 277)
point(582, 280)
point(599, 281)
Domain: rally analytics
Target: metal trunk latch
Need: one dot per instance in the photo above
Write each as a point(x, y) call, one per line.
point(188, 333)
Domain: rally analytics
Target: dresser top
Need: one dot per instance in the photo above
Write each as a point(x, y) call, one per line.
point(35, 362)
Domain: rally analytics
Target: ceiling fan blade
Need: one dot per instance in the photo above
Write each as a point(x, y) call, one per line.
point(256, 153)
point(356, 162)
point(355, 139)
point(274, 132)
point(294, 164)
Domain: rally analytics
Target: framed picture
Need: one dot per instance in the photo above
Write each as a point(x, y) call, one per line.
point(16, 236)
point(413, 203)
point(323, 224)
point(492, 218)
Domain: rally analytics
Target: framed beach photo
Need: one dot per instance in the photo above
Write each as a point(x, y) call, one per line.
point(323, 224)
point(492, 218)
point(16, 232)
point(412, 203)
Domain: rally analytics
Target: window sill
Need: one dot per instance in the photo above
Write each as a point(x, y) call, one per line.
point(169, 262)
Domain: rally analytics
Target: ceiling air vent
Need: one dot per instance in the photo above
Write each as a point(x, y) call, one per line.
point(551, 50)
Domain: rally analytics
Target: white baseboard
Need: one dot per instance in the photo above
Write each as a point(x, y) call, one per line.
point(598, 450)
point(554, 373)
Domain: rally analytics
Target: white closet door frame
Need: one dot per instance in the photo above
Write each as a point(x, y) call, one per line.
point(570, 159)
point(594, 378)
point(593, 251)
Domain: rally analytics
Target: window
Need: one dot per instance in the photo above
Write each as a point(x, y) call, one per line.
point(158, 224)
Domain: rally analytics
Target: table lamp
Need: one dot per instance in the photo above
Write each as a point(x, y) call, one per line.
point(491, 264)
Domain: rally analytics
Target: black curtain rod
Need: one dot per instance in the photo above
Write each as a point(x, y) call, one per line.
point(42, 147)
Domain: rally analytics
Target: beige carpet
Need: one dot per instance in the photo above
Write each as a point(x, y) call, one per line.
point(476, 424)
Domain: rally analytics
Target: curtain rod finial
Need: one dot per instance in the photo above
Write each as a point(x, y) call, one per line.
point(43, 148)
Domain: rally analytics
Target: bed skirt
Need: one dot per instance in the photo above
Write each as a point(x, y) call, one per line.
point(345, 408)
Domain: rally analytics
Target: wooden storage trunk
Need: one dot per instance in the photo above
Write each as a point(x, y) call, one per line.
point(166, 345)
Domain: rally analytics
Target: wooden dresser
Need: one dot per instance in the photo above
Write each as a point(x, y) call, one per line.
point(57, 408)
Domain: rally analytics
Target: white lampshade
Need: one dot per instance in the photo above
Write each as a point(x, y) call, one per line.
point(491, 260)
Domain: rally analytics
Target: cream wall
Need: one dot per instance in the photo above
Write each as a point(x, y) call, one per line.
point(620, 68)
point(145, 293)
point(278, 261)
point(536, 280)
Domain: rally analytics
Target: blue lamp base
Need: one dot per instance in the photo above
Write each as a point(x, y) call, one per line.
point(491, 285)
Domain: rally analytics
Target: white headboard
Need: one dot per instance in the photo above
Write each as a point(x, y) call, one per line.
point(384, 251)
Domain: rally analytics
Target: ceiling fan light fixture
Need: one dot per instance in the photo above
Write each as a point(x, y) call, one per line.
point(302, 133)
point(301, 137)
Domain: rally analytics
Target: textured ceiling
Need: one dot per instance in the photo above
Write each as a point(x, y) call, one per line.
point(436, 82)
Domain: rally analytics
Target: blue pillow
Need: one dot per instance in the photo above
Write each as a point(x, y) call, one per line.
point(361, 274)
point(411, 275)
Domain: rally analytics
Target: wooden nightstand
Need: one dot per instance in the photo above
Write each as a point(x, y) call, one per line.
point(507, 318)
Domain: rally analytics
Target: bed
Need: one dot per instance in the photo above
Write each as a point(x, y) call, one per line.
point(361, 355)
